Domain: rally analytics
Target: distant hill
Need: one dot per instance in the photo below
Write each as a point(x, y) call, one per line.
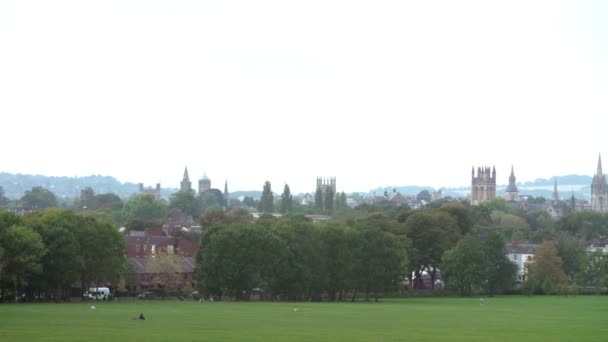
point(68, 187)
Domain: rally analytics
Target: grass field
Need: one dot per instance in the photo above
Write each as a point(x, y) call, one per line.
point(581, 318)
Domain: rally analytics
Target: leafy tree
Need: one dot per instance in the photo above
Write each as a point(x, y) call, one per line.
point(38, 198)
point(286, 200)
point(23, 249)
point(545, 273)
point(145, 208)
point(424, 195)
point(464, 266)
point(461, 213)
point(186, 202)
point(432, 233)
point(209, 201)
point(339, 244)
point(167, 271)
point(266, 204)
point(381, 262)
point(3, 199)
point(586, 225)
point(102, 249)
point(109, 201)
point(594, 271)
point(248, 201)
point(62, 264)
point(571, 251)
point(500, 271)
point(88, 199)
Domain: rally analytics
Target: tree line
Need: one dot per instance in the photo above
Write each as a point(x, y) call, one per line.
point(43, 254)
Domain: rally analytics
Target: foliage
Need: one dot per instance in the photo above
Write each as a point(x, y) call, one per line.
point(266, 204)
point(145, 208)
point(432, 232)
point(3, 199)
point(38, 198)
point(499, 270)
point(186, 202)
point(22, 252)
point(286, 200)
point(464, 266)
point(594, 271)
point(167, 270)
point(424, 195)
point(545, 273)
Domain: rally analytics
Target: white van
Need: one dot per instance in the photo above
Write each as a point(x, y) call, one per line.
point(98, 293)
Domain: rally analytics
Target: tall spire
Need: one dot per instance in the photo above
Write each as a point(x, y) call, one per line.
point(186, 178)
point(555, 194)
point(599, 165)
point(186, 185)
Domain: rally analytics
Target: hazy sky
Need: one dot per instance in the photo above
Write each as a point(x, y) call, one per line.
point(375, 93)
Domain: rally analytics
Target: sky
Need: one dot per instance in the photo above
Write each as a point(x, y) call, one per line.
point(374, 93)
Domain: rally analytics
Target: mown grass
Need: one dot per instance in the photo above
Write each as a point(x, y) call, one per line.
point(581, 318)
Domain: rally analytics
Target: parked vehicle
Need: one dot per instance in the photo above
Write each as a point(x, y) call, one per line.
point(98, 293)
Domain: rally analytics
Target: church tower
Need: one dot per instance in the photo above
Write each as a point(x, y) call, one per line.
point(512, 192)
point(555, 193)
point(185, 185)
point(483, 186)
point(204, 184)
point(599, 190)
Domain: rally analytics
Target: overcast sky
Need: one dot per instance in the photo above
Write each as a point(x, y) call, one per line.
point(375, 93)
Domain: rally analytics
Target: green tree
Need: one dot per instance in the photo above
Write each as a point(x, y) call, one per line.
point(266, 204)
point(62, 263)
point(248, 201)
point(167, 270)
point(3, 199)
point(102, 249)
point(571, 251)
point(545, 273)
point(38, 198)
point(23, 249)
point(381, 262)
point(464, 266)
point(186, 202)
point(500, 271)
point(145, 208)
point(424, 195)
point(432, 233)
point(594, 271)
point(286, 200)
point(339, 244)
point(209, 201)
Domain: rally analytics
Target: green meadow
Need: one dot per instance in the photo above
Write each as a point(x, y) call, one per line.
point(580, 318)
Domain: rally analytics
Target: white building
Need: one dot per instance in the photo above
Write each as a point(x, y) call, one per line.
point(520, 255)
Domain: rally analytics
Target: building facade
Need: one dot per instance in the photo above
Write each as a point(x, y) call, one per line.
point(512, 191)
point(483, 186)
point(599, 190)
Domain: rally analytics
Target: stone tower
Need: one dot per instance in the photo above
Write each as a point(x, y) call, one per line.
point(326, 183)
point(204, 184)
point(512, 192)
point(483, 186)
point(186, 185)
point(555, 193)
point(599, 190)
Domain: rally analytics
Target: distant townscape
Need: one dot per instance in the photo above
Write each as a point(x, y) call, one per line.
point(208, 244)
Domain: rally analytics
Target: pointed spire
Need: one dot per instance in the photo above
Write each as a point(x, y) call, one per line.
point(599, 165)
point(512, 173)
point(555, 194)
point(186, 173)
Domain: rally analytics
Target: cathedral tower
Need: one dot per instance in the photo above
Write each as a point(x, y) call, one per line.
point(204, 184)
point(186, 185)
point(483, 186)
point(599, 190)
point(512, 192)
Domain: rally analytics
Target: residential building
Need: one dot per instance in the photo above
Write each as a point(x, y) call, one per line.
point(520, 255)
